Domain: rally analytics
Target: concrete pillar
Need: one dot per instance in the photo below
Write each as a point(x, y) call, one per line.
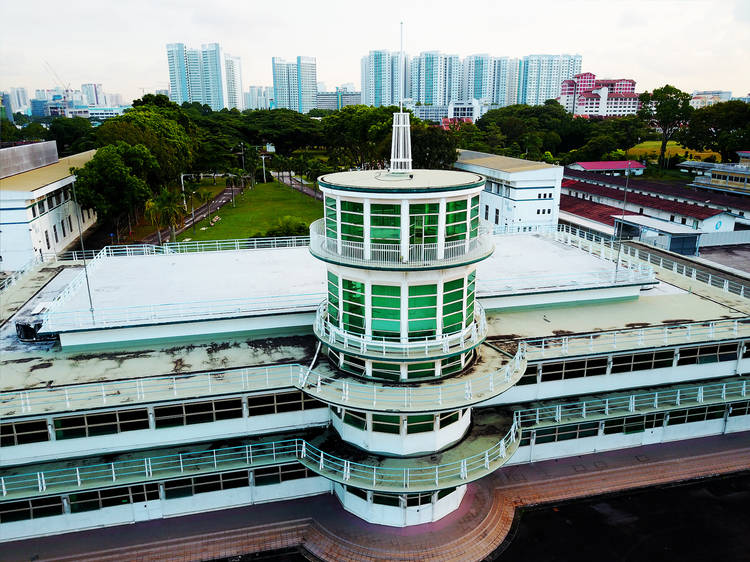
point(338, 224)
point(404, 230)
point(441, 229)
point(366, 229)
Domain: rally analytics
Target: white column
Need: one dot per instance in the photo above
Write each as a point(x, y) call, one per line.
point(338, 224)
point(368, 308)
point(366, 228)
point(404, 230)
point(441, 229)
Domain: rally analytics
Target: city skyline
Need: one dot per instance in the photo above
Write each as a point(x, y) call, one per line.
point(631, 41)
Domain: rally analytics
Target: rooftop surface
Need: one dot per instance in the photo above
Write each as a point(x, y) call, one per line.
point(701, 197)
point(40, 177)
point(597, 212)
point(33, 365)
point(500, 163)
point(611, 165)
point(415, 180)
point(667, 205)
point(255, 282)
point(658, 224)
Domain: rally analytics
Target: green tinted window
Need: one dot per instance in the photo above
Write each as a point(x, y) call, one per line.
point(386, 310)
point(385, 223)
point(353, 306)
point(422, 310)
point(352, 221)
point(453, 295)
point(330, 218)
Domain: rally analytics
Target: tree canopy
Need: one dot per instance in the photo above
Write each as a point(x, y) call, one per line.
point(666, 109)
point(723, 128)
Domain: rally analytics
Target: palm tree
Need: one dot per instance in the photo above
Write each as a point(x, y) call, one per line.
point(166, 209)
point(153, 214)
point(203, 196)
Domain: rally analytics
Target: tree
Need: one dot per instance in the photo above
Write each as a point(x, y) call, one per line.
point(165, 209)
point(666, 108)
point(114, 180)
point(21, 119)
point(8, 131)
point(68, 132)
point(358, 135)
point(432, 147)
point(33, 131)
point(723, 128)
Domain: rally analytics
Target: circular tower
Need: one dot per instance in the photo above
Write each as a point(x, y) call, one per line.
point(401, 248)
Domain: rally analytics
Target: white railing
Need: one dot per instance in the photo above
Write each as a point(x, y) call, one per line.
point(54, 321)
point(334, 389)
point(15, 276)
point(656, 336)
point(638, 274)
point(390, 255)
point(398, 349)
point(407, 476)
point(629, 256)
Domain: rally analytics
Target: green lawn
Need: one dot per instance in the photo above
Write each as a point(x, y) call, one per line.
point(651, 148)
point(257, 210)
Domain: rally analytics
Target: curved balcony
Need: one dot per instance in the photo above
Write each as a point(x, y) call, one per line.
point(392, 256)
point(401, 349)
point(496, 374)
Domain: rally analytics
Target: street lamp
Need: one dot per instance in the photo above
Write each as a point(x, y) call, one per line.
point(263, 157)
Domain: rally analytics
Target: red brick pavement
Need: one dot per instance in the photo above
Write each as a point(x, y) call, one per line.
point(324, 529)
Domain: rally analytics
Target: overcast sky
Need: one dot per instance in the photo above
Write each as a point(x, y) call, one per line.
point(693, 44)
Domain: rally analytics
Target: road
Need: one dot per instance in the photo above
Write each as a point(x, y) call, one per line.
point(200, 213)
point(298, 185)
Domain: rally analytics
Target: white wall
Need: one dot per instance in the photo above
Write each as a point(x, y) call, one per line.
point(587, 445)
point(161, 509)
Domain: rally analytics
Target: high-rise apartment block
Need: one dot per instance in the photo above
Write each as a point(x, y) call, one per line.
point(259, 97)
point(541, 76)
point(19, 99)
point(385, 78)
point(437, 79)
point(585, 95)
point(295, 84)
point(93, 94)
point(206, 75)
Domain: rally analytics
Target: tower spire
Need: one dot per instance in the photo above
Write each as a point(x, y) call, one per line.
point(401, 139)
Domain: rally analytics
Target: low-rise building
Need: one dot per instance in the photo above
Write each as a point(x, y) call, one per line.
point(733, 178)
point(613, 168)
point(39, 215)
point(706, 98)
point(587, 95)
point(519, 194)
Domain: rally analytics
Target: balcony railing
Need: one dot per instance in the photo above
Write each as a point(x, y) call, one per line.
point(472, 388)
point(397, 475)
point(651, 337)
point(401, 349)
point(391, 256)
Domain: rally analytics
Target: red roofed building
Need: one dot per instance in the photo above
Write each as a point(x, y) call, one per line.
point(699, 217)
point(615, 167)
point(585, 95)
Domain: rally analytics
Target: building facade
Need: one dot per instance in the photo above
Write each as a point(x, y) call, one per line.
point(259, 97)
point(39, 215)
point(705, 98)
point(584, 94)
point(540, 76)
point(93, 94)
point(206, 75)
point(295, 84)
point(520, 195)
point(396, 361)
point(385, 78)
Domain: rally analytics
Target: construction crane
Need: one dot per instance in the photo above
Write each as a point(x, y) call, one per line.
point(66, 88)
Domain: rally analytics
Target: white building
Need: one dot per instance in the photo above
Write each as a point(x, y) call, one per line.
point(584, 94)
point(234, 97)
point(519, 195)
point(505, 85)
point(705, 98)
point(93, 94)
point(435, 78)
point(38, 215)
point(477, 78)
point(19, 100)
point(259, 97)
point(295, 84)
point(385, 78)
point(540, 76)
point(402, 360)
point(206, 75)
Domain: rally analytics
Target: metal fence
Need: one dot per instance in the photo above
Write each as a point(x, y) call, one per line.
point(382, 477)
point(656, 336)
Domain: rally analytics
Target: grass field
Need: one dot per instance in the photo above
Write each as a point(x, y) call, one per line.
point(651, 148)
point(257, 210)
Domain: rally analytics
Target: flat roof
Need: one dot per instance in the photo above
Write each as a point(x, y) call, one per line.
point(41, 177)
point(501, 163)
point(413, 181)
point(658, 224)
point(611, 165)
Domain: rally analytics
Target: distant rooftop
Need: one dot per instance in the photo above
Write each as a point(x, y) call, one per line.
point(658, 224)
point(596, 212)
point(412, 181)
point(40, 177)
point(681, 191)
point(501, 163)
point(613, 165)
